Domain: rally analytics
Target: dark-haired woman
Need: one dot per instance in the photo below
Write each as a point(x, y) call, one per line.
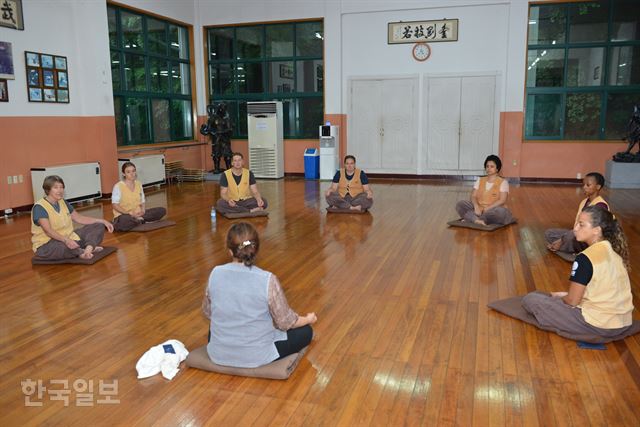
point(127, 201)
point(599, 300)
point(488, 198)
point(251, 321)
point(52, 233)
point(559, 239)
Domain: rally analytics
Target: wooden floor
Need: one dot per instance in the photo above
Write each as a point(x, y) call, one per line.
point(403, 334)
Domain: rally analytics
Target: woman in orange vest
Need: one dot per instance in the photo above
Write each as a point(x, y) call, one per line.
point(563, 240)
point(52, 233)
point(127, 201)
point(489, 196)
point(598, 305)
point(350, 188)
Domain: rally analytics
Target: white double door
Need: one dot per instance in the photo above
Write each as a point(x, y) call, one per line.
point(461, 122)
point(382, 127)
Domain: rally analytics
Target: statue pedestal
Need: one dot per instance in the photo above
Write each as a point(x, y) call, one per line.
point(622, 175)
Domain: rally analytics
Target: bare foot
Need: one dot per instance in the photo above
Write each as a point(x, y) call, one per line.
point(86, 254)
point(480, 222)
point(98, 249)
point(256, 209)
point(356, 208)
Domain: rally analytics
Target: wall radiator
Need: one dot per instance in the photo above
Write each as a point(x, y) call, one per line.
point(81, 181)
point(150, 168)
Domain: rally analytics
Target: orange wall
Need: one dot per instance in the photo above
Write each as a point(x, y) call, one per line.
point(549, 159)
point(28, 142)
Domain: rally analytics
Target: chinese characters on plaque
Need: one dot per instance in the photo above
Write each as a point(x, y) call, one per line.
point(11, 14)
point(445, 30)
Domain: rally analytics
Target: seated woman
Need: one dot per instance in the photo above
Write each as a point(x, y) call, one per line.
point(489, 196)
point(251, 322)
point(560, 239)
point(127, 201)
point(599, 299)
point(52, 234)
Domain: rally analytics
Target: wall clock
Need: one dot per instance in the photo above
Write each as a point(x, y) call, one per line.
point(421, 51)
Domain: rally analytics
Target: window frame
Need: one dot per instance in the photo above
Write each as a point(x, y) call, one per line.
point(236, 98)
point(603, 90)
point(124, 93)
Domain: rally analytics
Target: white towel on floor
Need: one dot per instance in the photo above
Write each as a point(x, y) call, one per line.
point(165, 358)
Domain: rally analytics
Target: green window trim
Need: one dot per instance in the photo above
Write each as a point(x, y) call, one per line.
point(283, 53)
point(151, 78)
point(568, 106)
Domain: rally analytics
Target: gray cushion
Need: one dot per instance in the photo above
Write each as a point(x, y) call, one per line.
point(570, 257)
point(512, 307)
point(332, 209)
point(277, 370)
point(154, 225)
point(97, 256)
point(236, 215)
point(473, 225)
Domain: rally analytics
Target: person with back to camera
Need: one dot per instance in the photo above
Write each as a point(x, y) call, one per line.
point(599, 300)
point(127, 201)
point(350, 188)
point(52, 233)
point(488, 198)
point(559, 239)
point(251, 322)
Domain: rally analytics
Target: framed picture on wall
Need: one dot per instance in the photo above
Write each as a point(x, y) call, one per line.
point(4, 91)
point(32, 59)
point(46, 61)
point(49, 95)
point(6, 61)
point(61, 63)
point(11, 16)
point(47, 77)
point(62, 79)
point(33, 76)
point(35, 94)
point(286, 71)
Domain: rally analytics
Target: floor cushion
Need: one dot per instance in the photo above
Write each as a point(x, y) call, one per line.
point(332, 209)
point(97, 256)
point(153, 225)
point(236, 215)
point(473, 225)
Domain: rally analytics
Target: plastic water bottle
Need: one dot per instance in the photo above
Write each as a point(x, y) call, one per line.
point(213, 217)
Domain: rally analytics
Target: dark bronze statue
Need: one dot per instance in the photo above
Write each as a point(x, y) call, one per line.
point(220, 128)
point(633, 138)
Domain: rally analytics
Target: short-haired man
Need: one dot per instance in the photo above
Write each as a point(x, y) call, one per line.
point(350, 188)
point(238, 189)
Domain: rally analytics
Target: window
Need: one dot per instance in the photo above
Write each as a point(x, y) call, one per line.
point(583, 69)
point(150, 68)
point(269, 62)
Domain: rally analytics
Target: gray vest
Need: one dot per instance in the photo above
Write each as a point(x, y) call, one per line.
point(242, 331)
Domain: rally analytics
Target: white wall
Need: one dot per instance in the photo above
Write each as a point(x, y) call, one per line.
point(77, 30)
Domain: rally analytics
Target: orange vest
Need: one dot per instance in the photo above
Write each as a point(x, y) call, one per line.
point(597, 200)
point(488, 197)
point(353, 187)
point(240, 191)
point(61, 223)
point(129, 200)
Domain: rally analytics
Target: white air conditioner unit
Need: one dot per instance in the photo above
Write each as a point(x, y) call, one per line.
point(266, 148)
point(81, 181)
point(150, 168)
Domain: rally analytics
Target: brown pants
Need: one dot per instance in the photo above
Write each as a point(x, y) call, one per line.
point(569, 242)
point(567, 321)
point(90, 235)
point(334, 200)
point(499, 215)
point(126, 222)
point(241, 205)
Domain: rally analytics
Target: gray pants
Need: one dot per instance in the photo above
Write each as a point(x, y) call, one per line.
point(126, 222)
point(499, 215)
point(334, 200)
point(241, 205)
point(567, 321)
point(90, 235)
point(569, 242)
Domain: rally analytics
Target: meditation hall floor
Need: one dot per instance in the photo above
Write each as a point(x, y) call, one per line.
point(403, 334)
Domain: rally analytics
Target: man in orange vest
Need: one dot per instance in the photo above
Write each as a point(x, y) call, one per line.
point(350, 188)
point(238, 189)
